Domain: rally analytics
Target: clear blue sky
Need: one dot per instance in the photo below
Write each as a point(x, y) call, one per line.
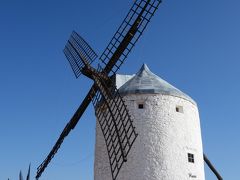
point(195, 45)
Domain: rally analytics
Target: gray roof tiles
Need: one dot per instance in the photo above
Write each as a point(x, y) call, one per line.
point(146, 82)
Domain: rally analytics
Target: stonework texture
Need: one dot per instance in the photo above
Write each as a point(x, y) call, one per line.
point(165, 137)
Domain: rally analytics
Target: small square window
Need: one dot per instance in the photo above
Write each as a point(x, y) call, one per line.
point(140, 106)
point(190, 158)
point(179, 109)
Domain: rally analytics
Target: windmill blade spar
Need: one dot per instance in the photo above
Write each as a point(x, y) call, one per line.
point(210, 165)
point(70, 125)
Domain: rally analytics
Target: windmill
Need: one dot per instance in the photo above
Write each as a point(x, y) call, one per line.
point(116, 124)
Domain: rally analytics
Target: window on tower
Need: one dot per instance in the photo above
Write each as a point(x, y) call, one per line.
point(140, 106)
point(179, 109)
point(190, 157)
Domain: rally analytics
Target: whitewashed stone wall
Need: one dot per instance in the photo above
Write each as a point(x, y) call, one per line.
point(165, 138)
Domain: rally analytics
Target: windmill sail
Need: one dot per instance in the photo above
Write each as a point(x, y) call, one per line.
point(116, 124)
point(128, 34)
point(77, 49)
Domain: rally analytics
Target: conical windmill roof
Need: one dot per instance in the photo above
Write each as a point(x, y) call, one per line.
point(146, 82)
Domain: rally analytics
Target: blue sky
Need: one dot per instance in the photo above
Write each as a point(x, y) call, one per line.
point(194, 45)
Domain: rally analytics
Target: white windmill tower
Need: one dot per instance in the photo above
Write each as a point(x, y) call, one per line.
point(169, 144)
